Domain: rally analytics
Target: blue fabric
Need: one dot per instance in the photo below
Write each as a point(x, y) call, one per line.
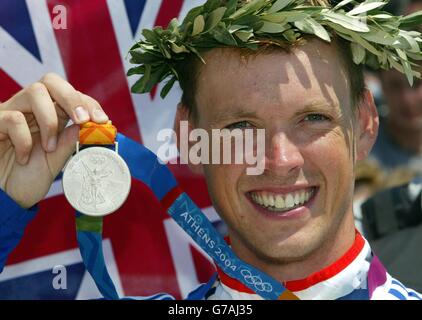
point(13, 221)
point(90, 244)
point(358, 294)
point(145, 166)
point(201, 292)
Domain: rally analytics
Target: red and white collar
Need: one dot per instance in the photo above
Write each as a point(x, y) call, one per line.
point(337, 280)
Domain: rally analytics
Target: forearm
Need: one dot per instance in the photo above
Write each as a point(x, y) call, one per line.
point(13, 221)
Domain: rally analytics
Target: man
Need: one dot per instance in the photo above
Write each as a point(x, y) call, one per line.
point(400, 139)
point(293, 222)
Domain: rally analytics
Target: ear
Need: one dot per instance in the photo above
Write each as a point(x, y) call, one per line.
point(182, 114)
point(368, 124)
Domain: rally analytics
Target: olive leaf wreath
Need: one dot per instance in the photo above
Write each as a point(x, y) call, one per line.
point(377, 38)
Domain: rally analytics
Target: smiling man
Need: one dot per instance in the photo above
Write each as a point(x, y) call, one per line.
point(295, 221)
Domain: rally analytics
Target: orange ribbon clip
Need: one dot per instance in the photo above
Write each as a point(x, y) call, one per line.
point(94, 133)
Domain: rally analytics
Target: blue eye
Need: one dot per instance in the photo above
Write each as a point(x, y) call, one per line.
point(239, 125)
point(316, 117)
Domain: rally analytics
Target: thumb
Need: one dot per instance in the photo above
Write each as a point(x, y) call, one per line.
point(66, 146)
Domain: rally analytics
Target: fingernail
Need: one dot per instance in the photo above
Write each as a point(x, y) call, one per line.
point(51, 144)
point(25, 160)
point(81, 114)
point(100, 116)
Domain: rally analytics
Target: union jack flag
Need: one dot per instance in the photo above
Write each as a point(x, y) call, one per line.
point(146, 252)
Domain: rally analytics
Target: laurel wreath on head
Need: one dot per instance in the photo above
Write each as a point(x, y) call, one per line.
point(377, 38)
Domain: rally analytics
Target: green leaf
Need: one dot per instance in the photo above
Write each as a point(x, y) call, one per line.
point(270, 27)
point(286, 16)
point(310, 26)
point(253, 22)
point(169, 85)
point(243, 35)
point(211, 5)
point(139, 86)
point(157, 76)
point(250, 7)
point(415, 56)
point(223, 36)
point(173, 26)
point(290, 36)
point(151, 36)
point(365, 44)
point(231, 8)
point(365, 7)
point(342, 4)
point(136, 70)
point(406, 66)
point(382, 16)
point(198, 25)
point(412, 20)
point(196, 52)
point(235, 27)
point(353, 36)
point(178, 49)
point(379, 36)
point(192, 14)
point(410, 41)
point(214, 18)
point(141, 57)
point(279, 5)
point(346, 22)
point(358, 52)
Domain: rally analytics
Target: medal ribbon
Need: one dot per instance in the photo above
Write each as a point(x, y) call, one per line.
point(147, 168)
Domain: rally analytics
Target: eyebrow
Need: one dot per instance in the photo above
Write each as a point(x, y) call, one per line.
point(317, 106)
point(226, 115)
point(239, 113)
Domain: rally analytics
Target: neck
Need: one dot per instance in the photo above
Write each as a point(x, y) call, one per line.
point(333, 248)
point(407, 138)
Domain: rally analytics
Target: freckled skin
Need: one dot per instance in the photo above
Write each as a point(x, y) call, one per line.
point(274, 88)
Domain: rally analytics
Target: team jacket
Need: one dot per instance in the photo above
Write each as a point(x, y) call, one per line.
point(357, 275)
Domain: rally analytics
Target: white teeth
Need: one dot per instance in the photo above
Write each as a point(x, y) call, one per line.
point(297, 198)
point(271, 200)
point(290, 202)
point(302, 197)
point(277, 202)
point(265, 199)
point(307, 196)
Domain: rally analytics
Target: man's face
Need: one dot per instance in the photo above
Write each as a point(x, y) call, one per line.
point(302, 100)
point(404, 102)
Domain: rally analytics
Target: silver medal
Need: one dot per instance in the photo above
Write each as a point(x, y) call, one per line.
point(96, 181)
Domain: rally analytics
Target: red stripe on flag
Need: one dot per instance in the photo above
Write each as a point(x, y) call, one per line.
point(169, 9)
point(92, 60)
point(8, 86)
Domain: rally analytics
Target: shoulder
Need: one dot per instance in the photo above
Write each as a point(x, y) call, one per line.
point(393, 289)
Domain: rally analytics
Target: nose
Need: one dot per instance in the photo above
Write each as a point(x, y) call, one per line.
point(284, 156)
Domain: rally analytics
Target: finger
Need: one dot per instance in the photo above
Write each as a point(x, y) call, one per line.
point(67, 97)
point(36, 99)
point(96, 113)
point(62, 117)
point(66, 145)
point(13, 125)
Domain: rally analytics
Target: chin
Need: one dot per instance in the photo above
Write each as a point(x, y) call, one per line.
point(293, 247)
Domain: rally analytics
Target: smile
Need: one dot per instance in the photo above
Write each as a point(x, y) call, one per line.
point(282, 202)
